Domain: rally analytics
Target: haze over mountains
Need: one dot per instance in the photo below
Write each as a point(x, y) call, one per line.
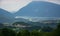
point(34, 9)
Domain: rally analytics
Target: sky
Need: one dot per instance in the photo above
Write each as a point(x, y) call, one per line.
point(14, 5)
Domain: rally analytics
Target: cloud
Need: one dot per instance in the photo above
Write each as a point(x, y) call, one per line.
point(13, 5)
point(52, 1)
point(55, 1)
point(39, 0)
point(35, 19)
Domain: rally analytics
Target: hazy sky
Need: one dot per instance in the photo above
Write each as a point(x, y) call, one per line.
point(14, 5)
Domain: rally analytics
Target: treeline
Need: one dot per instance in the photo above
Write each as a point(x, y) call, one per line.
point(10, 32)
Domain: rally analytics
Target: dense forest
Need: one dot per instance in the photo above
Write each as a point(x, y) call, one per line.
point(10, 32)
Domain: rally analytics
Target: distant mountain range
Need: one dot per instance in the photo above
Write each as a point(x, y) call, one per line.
point(34, 9)
point(35, 15)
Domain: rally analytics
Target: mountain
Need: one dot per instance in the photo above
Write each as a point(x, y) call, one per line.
point(6, 17)
point(40, 9)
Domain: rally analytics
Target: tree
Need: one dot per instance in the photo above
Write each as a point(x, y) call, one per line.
point(0, 33)
point(35, 33)
point(47, 29)
point(8, 32)
point(23, 33)
point(56, 32)
point(19, 34)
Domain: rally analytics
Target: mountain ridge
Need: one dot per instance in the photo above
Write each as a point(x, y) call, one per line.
point(40, 9)
point(5, 16)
